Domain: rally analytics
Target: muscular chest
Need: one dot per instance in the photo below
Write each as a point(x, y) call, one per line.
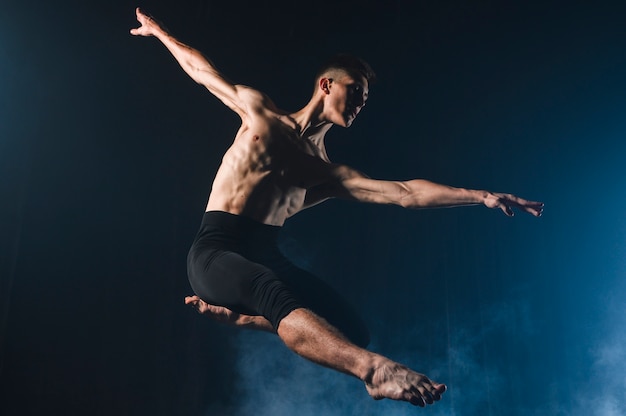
point(274, 148)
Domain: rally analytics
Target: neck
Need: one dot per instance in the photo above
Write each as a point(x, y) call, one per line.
point(311, 123)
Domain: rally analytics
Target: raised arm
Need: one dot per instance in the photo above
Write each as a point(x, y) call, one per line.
point(347, 183)
point(196, 65)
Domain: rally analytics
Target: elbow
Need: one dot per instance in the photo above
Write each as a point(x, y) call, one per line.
point(408, 203)
point(403, 203)
point(407, 197)
point(195, 73)
point(403, 195)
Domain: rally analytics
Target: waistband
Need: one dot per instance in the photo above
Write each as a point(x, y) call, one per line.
point(238, 225)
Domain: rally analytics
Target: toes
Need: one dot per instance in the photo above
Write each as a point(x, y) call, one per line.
point(419, 396)
point(436, 390)
point(434, 394)
point(191, 299)
point(194, 302)
point(401, 383)
point(431, 392)
point(426, 394)
point(416, 400)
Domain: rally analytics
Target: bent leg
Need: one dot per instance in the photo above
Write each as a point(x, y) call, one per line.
point(231, 285)
point(225, 315)
point(233, 289)
point(314, 339)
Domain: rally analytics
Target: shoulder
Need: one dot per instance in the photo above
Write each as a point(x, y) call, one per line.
point(255, 101)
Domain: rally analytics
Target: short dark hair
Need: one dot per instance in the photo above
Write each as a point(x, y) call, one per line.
point(352, 65)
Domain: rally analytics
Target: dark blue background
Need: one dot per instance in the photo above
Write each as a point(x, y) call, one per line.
point(107, 152)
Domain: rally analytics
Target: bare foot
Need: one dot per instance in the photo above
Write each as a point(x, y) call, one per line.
point(222, 314)
point(397, 382)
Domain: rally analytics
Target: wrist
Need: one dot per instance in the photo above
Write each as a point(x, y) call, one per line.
point(159, 32)
point(481, 196)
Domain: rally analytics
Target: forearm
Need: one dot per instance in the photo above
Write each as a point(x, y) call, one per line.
point(419, 193)
point(192, 61)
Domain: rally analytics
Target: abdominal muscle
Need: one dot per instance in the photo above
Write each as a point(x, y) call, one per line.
point(264, 202)
point(254, 181)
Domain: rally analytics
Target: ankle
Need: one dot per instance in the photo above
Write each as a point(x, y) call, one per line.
point(371, 366)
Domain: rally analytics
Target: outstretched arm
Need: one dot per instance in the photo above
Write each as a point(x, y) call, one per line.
point(196, 65)
point(347, 183)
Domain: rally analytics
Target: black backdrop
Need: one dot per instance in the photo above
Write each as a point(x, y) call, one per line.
point(107, 152)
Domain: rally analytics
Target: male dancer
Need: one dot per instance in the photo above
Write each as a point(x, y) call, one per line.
point(277, 166)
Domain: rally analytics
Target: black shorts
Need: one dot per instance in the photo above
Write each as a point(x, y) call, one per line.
point(235, 262)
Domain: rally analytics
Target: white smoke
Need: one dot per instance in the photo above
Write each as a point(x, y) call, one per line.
point(605, 392)
point(274, 381)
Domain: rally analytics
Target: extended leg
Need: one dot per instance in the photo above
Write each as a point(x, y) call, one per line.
point(313, 338)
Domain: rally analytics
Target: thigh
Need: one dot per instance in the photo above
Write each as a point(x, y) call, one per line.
point(224, 278)
point(229, 279)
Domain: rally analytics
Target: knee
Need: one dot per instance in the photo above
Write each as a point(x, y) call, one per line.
point(295, 328)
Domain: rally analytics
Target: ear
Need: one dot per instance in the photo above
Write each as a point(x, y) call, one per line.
point(324, 84)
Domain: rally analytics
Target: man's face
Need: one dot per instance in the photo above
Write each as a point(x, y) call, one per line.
point(346, 98)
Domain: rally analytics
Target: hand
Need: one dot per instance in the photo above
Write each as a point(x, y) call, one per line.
point(506, 202)
point(149, 27)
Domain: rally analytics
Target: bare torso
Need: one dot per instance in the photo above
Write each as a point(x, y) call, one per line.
point(265, 173)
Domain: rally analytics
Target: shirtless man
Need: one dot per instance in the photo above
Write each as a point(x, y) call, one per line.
point(277, 166)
